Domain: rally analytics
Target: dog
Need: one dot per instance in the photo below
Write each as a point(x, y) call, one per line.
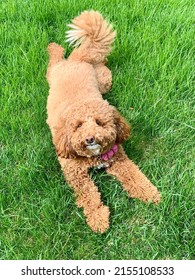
point(86, 130)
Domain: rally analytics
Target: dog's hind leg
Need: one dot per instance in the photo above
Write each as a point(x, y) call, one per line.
point(104, 77)
point(56, 53)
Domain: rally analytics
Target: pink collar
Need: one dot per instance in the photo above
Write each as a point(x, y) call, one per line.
point(110, 153)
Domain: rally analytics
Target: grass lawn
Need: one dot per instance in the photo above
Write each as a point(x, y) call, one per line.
point(153, 69)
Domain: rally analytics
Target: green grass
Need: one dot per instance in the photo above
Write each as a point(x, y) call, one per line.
point(153, 71)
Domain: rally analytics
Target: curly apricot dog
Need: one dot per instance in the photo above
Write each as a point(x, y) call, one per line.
point(86, 130)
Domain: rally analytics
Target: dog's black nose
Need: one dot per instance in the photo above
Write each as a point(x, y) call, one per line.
point(90, 140)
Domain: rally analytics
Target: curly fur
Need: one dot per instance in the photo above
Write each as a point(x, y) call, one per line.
point(83, 124)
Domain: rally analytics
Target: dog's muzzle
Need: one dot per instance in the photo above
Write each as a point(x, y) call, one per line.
point(95, 149)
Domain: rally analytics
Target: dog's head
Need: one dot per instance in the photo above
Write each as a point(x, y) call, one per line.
point(89, 129)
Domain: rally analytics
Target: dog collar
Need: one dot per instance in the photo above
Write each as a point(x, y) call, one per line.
point(108, 155)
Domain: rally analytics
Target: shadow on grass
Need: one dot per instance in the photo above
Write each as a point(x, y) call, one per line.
point(141, 137)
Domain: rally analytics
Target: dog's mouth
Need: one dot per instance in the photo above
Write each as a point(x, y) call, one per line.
point(95, 149)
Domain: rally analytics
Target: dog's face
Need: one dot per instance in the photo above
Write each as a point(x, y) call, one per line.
point(89, 129)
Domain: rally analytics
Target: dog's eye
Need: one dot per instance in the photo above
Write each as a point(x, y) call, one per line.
point(98, 122)
point(79, 124)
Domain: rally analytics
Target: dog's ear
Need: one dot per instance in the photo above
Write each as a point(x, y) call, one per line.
point(122, 127)
point(61, 142)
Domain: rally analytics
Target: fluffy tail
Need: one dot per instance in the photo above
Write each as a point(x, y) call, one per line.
point(92, 36)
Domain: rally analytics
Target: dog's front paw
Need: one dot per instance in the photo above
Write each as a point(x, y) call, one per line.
point(98, 219)
point(156, 197)
point(149, 193)
point(152, 195)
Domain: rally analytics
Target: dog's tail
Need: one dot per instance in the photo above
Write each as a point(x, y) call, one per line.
point(92, 36)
